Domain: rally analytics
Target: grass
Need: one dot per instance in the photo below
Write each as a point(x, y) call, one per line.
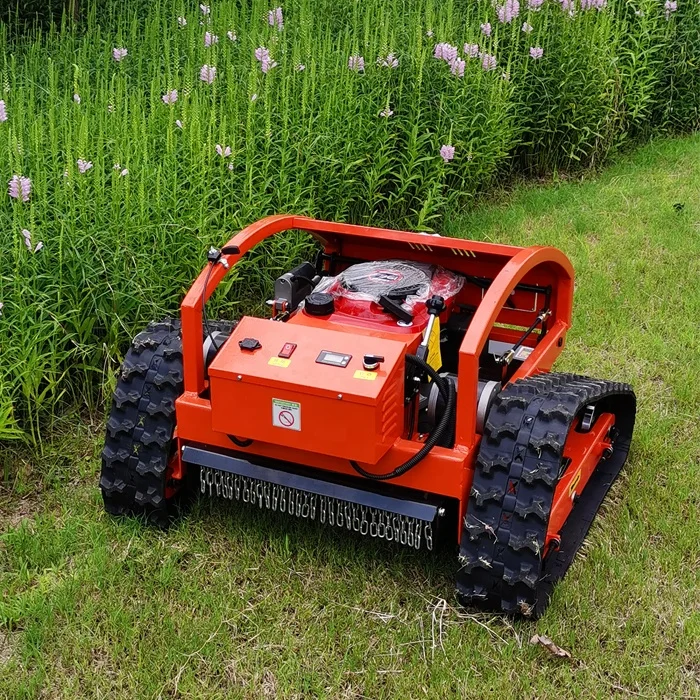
point(121, 249)
point(240, 604)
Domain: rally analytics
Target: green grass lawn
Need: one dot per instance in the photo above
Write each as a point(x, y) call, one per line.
point(237, 603)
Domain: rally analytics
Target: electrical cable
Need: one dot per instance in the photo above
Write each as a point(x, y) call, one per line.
point(447, 390)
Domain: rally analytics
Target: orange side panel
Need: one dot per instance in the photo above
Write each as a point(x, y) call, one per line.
point(299, 402)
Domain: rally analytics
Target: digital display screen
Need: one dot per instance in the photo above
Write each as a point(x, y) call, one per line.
point(326, 357)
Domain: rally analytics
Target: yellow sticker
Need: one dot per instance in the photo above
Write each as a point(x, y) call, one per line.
point(279, 362)
point(574, 482)
point(434, 356)
point(361, 374)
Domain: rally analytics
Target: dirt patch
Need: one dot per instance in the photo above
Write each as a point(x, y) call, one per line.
point(12, 513)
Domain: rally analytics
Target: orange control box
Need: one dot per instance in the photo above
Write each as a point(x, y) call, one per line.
point(305, 387)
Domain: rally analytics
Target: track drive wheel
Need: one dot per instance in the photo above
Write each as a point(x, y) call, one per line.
point(139, 458)
point(508, 563)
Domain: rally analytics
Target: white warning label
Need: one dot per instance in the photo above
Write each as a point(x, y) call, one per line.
point(286, 414)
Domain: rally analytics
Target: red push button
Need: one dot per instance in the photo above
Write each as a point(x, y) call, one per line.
point(287, 350)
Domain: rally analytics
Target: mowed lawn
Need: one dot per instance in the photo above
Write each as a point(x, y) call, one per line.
point(233, 603)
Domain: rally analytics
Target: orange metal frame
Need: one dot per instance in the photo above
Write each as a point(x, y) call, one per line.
point(444, 471)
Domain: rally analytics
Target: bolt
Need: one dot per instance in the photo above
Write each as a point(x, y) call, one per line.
point(340, 396)
point(239, 377)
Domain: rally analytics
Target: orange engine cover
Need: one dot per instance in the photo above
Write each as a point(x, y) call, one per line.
point(309, 400)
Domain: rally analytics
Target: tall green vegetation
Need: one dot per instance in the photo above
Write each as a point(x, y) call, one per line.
point(126, 187)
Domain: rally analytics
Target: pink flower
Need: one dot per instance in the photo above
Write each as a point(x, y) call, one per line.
point(390, 61)
point(535, 5)
point(170, 98)
point(210, 39)
point(207, 74)
point(76, 98)
point(83, 165)
point(182, 21)
point(445, 51)
point(275, 19)
point(594, 4)
point(231, 36)
point(254, 97)
point(3, 111)
point(568, 6)
point(488, 62)
point(386, 113)
point(119, 54)
point(266, 62)
point(356, 63)
point(508, 12)
point(670, 6)
point(536, 52)
point(124, 173)
point(486, 29)
point(527, 27)
point(223, 152)
point(471, 50)
point(205, 9)
point(28, 242)
point(447, 153)
point(20, 187)
point(230, 166)
point(457, 67)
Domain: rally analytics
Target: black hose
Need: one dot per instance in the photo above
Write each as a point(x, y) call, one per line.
point(446, 388)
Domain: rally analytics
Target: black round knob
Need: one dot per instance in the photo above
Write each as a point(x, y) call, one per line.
point(319, 304)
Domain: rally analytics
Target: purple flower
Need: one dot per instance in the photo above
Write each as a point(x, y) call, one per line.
point(119, 54)
point(3, 111)
point(536, 52)
point(508, 12)
point(527, 27)
point(356, 63)
point(28, 242)
point(447, 153)
point(207, 74)
point(170, 98)
point(83, 165)
point(124, 173)
point(254, 97)
point(445, 51)
point(457, 67)
point(486, 29)
point(535, 5)
point(488, 62)
point(205, 9)
point(275, 19)
point(20, 187)
point(593, 4)
point(388, 61)
point(568, 6)
point(386, 113)
point(182, 21)
point(223, 152)
point(76, 98)
point(210, 39)
point(471, 50)
point(670, 6)
point(178, 124)
point(231, 36)
point(230, 166)
point(266, 62)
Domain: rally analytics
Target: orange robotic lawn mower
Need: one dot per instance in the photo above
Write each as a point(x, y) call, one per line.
point(401, 390)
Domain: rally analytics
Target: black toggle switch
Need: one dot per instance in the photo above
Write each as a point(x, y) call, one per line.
point(370, 362)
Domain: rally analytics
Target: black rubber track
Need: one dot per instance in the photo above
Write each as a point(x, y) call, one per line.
point(503, 565)
point(139, 441)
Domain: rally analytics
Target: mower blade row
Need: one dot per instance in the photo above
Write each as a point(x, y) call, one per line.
point(503, 563)
point(368, 521)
